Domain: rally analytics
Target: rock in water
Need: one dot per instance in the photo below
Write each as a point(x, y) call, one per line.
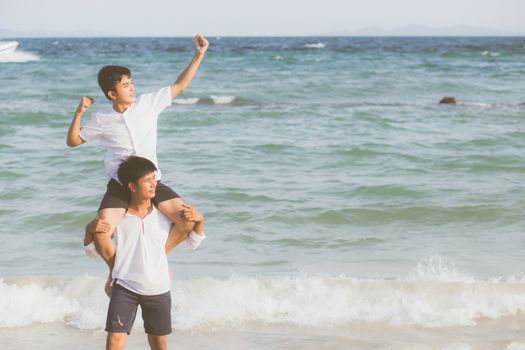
point(449, 100)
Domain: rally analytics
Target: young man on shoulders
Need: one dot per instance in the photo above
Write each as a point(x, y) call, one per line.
point(140, 272)
point(128, 128)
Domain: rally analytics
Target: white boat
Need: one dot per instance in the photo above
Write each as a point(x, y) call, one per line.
point(8, 46)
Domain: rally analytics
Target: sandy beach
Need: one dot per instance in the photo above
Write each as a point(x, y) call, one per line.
point(488, 335)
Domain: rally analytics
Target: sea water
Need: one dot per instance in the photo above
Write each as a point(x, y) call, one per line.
point(345, 207)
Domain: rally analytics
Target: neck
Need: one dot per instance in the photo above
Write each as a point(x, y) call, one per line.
point(139, 206)
point(120, 107)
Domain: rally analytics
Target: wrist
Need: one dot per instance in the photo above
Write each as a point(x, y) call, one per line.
point(198, 54)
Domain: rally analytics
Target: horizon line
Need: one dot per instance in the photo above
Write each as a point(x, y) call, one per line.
point(272, 36)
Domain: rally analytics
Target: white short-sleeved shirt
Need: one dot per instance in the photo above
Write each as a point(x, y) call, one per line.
point(133, 132)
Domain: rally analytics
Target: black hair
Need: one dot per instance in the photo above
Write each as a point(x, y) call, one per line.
point(109, 76)
point(133, 168)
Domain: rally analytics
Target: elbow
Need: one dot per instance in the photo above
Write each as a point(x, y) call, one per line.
point(72, 143)
point(177, 89)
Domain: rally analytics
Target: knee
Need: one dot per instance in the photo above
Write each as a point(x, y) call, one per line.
point(115, 341)
point(101, 229)
point(99, 236)
point(158, 342)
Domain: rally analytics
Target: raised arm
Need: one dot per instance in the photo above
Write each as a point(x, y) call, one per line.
point(185, 78)
point(73, 134)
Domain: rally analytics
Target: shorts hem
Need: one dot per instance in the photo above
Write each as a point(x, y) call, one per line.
point(109, 331)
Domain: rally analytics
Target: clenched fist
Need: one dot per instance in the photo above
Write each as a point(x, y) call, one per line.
point(84, 104)
point(201, 44)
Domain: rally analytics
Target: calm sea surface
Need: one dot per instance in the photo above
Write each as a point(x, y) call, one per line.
point(336, 189)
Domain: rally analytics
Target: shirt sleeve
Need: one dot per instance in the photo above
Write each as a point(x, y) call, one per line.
point(90, 250)
point(91, 130)
point(159, 100)
point(194, 240)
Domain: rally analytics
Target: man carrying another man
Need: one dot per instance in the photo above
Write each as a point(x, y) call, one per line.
point(140, 274)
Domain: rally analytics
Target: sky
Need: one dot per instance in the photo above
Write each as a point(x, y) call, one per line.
point(256, 18)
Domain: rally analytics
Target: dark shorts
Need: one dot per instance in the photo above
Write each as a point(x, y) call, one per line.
point(117, 196)
point(156, 311)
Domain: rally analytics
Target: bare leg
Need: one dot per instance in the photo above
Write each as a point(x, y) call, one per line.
point(157, 342)
point(116, 341)
point(172, 208)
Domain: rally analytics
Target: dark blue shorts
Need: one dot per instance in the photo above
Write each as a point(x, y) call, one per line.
point(156, 311)
point(117, 196)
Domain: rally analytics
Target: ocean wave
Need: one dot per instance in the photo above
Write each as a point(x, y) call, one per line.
point(222, 100)
point(319, 45)
point(186, 101)
point(18, 56)
point(492, 54)
point(394, 213)
point(434, 295)
point(481, 105)
point(213, 100)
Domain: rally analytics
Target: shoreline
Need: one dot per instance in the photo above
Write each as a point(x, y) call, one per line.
point(489, 334)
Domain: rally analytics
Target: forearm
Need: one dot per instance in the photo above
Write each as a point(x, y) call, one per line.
point(174, 239)
point(199, 227)
point(73, 134)
point(187, 75)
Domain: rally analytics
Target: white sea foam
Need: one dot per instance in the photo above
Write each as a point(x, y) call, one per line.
point(477, 104)
point(28, 303)
point(186, 101)
point(492, 54)
point(222, 100)
point(18, 56)
point(318, 45)
point(434, 295)
point(438, 268)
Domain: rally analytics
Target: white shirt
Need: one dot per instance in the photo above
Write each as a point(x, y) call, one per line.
point(141, 264)
point(133, 132)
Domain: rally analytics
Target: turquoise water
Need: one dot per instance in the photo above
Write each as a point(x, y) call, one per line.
point(311, 156)
point(305, 154)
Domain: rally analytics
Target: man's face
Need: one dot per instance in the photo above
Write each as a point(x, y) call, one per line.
point(145, 187)
point(124, 91)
